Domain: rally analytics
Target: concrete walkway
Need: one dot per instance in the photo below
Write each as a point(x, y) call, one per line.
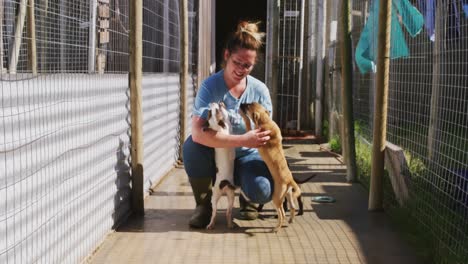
point(340, 232)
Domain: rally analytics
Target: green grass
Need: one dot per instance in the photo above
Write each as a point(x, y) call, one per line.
point(452, 143)
point(431, 226)
point(363, 161)
point(428, 221)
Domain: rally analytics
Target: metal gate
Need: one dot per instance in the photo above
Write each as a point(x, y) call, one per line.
point(290, 62)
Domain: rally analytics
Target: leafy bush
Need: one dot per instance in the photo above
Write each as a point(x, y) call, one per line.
point(335, 144)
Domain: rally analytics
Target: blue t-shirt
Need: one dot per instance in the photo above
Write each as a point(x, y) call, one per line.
point(214, 89)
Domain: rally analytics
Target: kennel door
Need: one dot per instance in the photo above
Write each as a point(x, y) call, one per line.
point(290, 58)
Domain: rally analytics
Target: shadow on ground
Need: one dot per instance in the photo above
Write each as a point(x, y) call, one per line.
point(339, 232)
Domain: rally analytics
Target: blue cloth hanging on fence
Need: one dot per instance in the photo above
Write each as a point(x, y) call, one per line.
point(428, 8)
point(453, 21)
point(465, 7)
point(366, 49)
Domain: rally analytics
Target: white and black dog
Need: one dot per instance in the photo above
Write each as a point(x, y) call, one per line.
point(218, 120)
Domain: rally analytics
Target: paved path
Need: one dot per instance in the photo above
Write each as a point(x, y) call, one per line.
point(340, 232)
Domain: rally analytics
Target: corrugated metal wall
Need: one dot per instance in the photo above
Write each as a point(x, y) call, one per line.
point(64, 132)
point(160, 125)
point(63, 161)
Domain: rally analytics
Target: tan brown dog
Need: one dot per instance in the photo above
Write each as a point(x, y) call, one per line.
point(273, 155)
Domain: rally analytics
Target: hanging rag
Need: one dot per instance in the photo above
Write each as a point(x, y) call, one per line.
point(453, 31)
point(428, 8)
point(366, 49)
point(465, 7)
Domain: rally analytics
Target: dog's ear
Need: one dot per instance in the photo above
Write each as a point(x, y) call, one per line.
point(209, 114)
point(222, 105)
point(255, 117)
point(205, 125)
point(222, 124)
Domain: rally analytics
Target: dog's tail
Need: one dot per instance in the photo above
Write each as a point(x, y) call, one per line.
point(298, 181)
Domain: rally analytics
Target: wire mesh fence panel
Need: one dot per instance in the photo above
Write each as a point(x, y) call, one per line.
point(161, 92)
point(288, 60)
point(427, 115)
point(61, 36)
point(64, 171)
point(362, 83)
point(332, 70)
point(193, 60)
point(64, 119)
point(116, 50)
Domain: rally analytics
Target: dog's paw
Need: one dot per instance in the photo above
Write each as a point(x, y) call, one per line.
point(230, 224)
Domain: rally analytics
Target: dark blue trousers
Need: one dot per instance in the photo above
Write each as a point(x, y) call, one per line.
point(250, 171)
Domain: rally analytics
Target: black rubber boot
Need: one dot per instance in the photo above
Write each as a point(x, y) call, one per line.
point(248, 210)
point(202, 193)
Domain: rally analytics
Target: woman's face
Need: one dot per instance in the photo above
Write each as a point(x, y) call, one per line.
point(239, 64)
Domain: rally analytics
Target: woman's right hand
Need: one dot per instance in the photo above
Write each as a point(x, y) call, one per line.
point(256, 138)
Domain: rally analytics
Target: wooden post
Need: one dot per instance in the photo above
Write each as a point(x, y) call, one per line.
point(330, 71)
point(310, 65)
point(2, 70)
point(437, 73)
point(271, 65)
point(347, 91)
point(104, 14)
point(63, 20)
point(321, 40)
point(301, 66)
point(44, 50)
point(184, 58)
point(92, 36)
point(204, 40)
point(32, 38)
point(380, 107)
point(166, 38)
point(15, 49)
point(135, 75)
